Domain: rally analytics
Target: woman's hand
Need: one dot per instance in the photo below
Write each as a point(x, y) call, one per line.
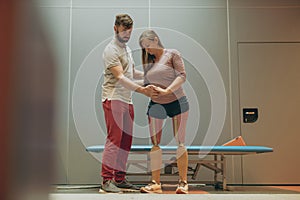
point(149, 91)
point(160, 92)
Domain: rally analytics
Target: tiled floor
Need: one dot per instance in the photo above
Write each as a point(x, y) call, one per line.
point(207, 192)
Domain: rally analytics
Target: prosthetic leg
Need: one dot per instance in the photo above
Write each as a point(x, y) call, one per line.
point(181, 154)
point(155, 154)
point(182, 160)
point(155, 162)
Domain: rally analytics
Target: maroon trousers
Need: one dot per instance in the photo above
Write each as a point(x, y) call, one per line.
point(119, 124)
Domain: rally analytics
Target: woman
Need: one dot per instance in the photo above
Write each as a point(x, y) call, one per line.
point(164, 69)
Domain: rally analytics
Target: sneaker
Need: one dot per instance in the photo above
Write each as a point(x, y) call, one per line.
point(126, 185)
point(109, 186)
point(182, 188)
point(153, 187)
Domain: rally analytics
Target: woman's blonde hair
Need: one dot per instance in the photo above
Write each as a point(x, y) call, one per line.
point(148, 59)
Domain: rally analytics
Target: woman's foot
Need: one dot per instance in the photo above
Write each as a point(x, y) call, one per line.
point(153, 187)
point(182, 188)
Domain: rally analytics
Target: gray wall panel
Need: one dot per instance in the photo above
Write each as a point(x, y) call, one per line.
point(258, 22)
point(87, 25)
point(270, 81)
point(57, 25)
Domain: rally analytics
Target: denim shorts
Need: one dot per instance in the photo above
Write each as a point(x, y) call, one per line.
point(162, 111)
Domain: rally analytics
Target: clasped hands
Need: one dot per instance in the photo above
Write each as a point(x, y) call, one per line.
point(155, 92)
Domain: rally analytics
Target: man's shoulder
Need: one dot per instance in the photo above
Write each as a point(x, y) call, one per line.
point(111, 49)
point(110, 46)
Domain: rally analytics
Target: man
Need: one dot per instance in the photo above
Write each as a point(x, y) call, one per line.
point(117, 105)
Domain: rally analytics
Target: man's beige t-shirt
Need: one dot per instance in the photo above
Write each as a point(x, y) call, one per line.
point(116, 54)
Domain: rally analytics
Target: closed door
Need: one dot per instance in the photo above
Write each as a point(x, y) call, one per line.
point(269, 75)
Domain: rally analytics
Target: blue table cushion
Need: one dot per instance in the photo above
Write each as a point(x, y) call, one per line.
point(237, 149)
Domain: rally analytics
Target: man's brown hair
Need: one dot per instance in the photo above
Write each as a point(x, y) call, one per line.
point(124, 20)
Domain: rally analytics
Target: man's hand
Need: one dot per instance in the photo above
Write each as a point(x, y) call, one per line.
point(153, 91)
point(158, 92)
point(148, 90)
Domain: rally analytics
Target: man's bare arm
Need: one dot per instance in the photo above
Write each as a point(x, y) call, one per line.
point(118, 73)
point(137, 74)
